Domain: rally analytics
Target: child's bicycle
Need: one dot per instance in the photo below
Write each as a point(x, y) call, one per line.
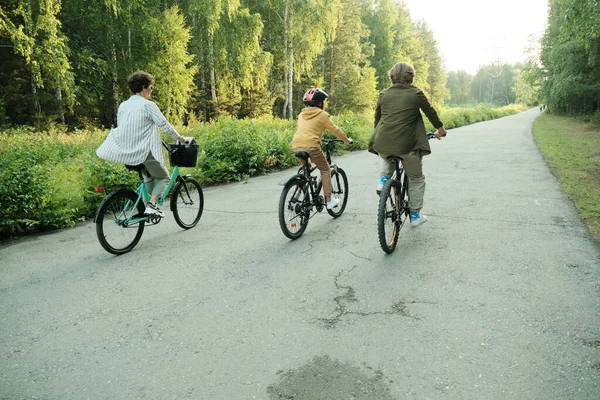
point(120, 218)
point(301, 196)
point(393, 208)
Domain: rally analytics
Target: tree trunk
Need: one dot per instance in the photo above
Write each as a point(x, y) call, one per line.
point(115, 83)
point(290, 72)
point(129, 34)
point(286, 46)
point(37, 109)
point(211, 62)
point(61, 110)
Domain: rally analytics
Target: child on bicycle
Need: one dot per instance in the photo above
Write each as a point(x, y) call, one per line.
point(312, 123)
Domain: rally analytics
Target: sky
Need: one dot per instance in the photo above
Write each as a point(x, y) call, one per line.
point(473, 33)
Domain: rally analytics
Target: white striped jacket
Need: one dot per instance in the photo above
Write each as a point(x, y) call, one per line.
point(136, 134)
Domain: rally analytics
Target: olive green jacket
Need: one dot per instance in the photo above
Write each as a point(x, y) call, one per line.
point(399, 126)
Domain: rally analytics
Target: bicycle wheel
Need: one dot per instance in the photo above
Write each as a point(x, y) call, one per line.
point(339, 190)
point(293, 214)
point(112, 228)
point(392, 213)
point(187, 203)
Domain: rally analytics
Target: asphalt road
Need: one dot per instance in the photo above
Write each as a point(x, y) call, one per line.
point(497, 296)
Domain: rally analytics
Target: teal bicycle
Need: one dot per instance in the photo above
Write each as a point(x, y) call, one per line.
point(120, 218)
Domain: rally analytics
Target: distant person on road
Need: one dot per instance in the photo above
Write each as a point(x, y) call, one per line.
point(136, 139)
point(312, 123)
point(400, 131)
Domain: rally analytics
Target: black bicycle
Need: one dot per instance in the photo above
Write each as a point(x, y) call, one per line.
point(301, 197)
point(393, 206)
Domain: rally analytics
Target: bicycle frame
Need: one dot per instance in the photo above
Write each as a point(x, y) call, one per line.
point(142, 193)
point(314, 197)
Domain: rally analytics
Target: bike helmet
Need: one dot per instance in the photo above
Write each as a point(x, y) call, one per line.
point(314, 97)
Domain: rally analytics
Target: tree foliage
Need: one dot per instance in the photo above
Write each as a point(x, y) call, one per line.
point(569, 65)
point(68, 61)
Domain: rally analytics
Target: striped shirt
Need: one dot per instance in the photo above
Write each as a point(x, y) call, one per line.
point(136, 134)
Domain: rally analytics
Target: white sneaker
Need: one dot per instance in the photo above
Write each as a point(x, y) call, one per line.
point(417, 219)
point(151, 209)
point(333, 203)
point(382, 182)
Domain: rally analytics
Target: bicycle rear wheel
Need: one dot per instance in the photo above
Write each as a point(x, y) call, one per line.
point(339, 190)
point(293, 214)
point(114, 232)
point(393, 212)
point(187, 203)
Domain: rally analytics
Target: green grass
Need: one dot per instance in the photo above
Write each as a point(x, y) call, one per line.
point(571, 148)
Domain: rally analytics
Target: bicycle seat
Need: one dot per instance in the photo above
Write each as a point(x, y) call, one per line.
point(301, 154)
point(139, 167)
point(394, 158)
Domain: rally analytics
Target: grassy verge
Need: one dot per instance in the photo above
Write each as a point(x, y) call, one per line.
point(572, 149)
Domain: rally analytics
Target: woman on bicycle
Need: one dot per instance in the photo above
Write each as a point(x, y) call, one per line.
point(136, 139)
point(400, 131)
point(312, 123)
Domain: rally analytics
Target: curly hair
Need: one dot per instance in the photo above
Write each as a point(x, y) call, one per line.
point(402, 73)
point(139, 80)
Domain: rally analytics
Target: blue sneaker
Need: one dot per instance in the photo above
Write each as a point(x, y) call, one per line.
point(417, 219)
point(382, 181)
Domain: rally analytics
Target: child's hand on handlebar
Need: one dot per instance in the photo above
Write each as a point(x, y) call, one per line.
point(349, 141)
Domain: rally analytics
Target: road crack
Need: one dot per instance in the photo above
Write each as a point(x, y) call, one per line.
point(349, 296)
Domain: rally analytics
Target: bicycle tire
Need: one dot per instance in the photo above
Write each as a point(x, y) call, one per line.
point(113, 235)
point(292, 213)
point(339, 189)
point(392, 212)
point(187, 202)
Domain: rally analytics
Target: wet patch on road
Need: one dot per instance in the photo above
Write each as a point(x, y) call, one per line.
point(349, 296)
point(326, 379)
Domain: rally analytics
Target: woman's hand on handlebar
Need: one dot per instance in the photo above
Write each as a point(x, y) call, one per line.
point(348, 140)
point(185, 140)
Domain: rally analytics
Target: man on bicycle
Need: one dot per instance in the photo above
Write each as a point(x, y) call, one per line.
point(136, 139)
point(400, 131)
point(312, 123)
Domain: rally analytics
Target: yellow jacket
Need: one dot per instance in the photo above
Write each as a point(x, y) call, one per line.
point(312, 123)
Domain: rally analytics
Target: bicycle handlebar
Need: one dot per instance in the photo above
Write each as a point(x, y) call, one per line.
point(190, 141)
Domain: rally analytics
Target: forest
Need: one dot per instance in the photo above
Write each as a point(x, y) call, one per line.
point(68, 61)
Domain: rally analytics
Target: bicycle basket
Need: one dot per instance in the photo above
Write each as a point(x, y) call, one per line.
point(183, 155)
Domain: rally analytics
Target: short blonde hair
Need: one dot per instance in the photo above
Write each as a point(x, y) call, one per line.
point(402, 73)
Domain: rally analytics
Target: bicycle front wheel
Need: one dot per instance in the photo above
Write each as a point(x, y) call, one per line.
point(339, 190)
point(114, 227)
point(392, 212)
point(293, 215)
point(187, 203)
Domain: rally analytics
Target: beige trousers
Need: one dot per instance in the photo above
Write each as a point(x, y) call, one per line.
point(318, 158)
point(413, 165)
